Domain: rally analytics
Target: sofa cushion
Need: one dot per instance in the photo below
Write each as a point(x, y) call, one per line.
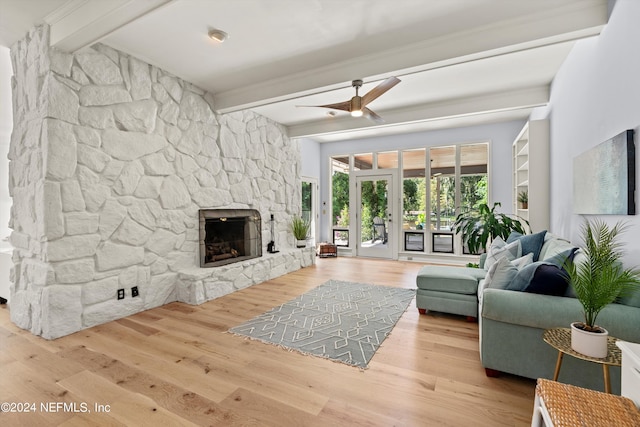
point(458, 280)
point(499, 249)
point(530, 243)
point(632, 299)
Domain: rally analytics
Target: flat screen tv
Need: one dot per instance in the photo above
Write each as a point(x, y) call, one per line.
point(604, 178)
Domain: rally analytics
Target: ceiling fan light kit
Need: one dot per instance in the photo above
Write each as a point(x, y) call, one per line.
point(357, 106)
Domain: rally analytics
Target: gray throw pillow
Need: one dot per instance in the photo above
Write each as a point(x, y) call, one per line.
point(501, 273)
point(499, 249)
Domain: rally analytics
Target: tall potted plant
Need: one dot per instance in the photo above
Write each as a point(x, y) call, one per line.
point(300, 229)
point(482, 224)
point(597, 282)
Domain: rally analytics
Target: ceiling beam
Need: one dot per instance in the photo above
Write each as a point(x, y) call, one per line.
point(81, 23)
point(512, 100)
point(573, 22)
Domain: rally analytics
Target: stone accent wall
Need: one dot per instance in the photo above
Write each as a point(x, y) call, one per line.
point(110, 160)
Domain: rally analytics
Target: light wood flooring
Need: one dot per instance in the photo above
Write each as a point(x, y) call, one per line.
point(175, 365)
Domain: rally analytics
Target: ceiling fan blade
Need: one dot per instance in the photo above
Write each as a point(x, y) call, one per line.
point(344, 106)
point(379, 90)
point(372, 116)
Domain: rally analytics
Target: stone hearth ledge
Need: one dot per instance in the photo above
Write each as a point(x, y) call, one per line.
point(198, 285)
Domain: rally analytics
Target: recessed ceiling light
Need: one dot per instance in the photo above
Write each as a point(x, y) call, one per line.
point(218, 35)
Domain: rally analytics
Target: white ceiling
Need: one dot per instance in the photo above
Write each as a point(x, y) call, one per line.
point(461, 62)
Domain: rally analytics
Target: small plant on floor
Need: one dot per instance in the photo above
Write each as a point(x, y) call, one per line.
point(482, 224)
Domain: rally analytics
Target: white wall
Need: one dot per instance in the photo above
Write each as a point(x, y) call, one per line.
point(6, 124)
point(6, 120)
point(309, 158)
point(499, 135)
point(595, 95)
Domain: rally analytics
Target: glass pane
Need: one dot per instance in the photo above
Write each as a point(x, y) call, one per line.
point(340, 191)
point(473, 171)
point(373, 213)
point(414, 183)
point(341, 237)
point(363, 162)
point(306, 201)
point(443, 188)
point(388, 160)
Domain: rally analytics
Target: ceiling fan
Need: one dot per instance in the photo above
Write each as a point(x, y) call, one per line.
point(357, 106)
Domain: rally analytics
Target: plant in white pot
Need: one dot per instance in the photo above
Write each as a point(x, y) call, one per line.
point(300, 229)
point(598, 281)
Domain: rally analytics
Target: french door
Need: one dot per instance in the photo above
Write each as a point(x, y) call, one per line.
point(376, 212)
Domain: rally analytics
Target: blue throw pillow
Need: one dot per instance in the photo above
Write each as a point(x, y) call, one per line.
point(560, 259)
point(523, 278)
point(531, 243)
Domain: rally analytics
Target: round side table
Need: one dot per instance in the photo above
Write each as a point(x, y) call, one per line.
point(560, 339)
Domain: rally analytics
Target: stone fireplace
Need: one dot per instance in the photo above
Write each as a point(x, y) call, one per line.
point(229, 235)
point(111, 160)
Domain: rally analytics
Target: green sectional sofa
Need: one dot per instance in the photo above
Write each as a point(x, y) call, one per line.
point(511, 328)
point(511, 322)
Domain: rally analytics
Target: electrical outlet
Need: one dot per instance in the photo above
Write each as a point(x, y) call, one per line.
point(120, 293)
point(134, 292)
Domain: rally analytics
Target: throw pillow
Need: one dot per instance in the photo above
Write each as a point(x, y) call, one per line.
point(554, 246)
point(548, 279)
point(540, 278)
point(501, 250)
point(561, 258)
point(531, 243)
point(523, 261)
point(500, 274)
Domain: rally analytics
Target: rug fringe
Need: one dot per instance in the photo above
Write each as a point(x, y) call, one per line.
point(294, 350)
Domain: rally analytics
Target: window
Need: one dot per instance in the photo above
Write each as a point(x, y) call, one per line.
point(388, 160)
point(443, 187)
point(473, 177)
point(362, 162)
point(414, 189)
point(340, 200)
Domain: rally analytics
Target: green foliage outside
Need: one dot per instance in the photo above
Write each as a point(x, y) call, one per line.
point(374, 199)
point(340, 199)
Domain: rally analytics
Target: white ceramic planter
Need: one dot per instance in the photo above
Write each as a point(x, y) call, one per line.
point(301, 243)
point(589, 343)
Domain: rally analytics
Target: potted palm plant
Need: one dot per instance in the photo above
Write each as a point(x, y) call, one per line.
point(300, 229)
point(482, 224)
point(598, 282)
point(523, 198)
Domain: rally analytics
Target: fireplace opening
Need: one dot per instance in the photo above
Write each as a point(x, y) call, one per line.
point(229, 235)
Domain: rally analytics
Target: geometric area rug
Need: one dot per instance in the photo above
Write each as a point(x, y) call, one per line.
point(341, 321)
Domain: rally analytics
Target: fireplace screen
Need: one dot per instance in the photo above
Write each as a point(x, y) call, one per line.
point(229, 235)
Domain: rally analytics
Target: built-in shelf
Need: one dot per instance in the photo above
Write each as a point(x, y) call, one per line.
point(531, 173)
